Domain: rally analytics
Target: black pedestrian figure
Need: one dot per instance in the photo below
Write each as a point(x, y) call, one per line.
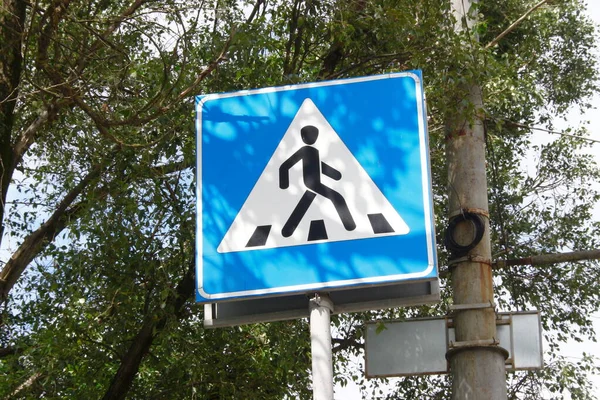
point(312, 167)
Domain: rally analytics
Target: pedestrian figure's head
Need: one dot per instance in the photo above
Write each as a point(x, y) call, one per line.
point(309, 134)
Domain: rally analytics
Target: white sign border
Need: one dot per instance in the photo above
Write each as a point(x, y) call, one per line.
point(282, 290)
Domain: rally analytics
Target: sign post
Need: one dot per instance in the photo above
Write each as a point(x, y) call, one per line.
point(320, 346)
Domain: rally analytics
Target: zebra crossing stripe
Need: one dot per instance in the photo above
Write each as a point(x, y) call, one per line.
point(379, 223)
point(260, 236)
point(318, 231)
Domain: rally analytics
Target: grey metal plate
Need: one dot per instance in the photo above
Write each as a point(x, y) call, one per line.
point(296, 306)
point(407, 348)
point(419, 346)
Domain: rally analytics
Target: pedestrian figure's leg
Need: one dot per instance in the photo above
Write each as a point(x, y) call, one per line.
point(298, 213)
point(340, 206)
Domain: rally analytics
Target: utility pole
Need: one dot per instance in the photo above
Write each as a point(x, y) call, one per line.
point(477, 363)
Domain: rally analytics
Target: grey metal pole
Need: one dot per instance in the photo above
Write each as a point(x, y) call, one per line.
point(477, 363)
point(320, 307)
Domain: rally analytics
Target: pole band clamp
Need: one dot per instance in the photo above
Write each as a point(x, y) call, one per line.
point(321, 300)
point(474, 306)
point(470, 258)
point(472, 210)
point(474, 343)
point(490, 344)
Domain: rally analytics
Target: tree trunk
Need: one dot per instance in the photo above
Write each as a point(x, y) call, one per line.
point(12, 22)
point(140, 345)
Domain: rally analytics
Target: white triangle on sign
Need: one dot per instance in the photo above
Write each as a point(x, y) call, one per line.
point(268, 208)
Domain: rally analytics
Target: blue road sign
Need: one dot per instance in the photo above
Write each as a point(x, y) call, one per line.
point(315, 186)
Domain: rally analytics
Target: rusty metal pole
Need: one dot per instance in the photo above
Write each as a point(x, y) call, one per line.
point(477, 363)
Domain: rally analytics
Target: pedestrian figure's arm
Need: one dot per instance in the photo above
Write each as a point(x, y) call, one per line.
point(331, 172)
point(284, 176)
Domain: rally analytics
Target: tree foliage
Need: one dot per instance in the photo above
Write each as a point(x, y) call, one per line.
point(97, 150)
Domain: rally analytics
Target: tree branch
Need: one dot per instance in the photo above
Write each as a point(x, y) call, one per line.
point(210, 68)
point(534, 128)
point(55, 12)
point(166, 169)
point(28, 383)
point(38, 239)
point(514, 24)
point(142, 342)
point(103, 37)
point(555, 258)
point(12, 23)
point(9, 351)
point(337, 51)
point(346, 343)
point(103, 124)
point(27, 137)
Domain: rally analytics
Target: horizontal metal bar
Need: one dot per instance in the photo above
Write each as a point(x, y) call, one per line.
point(474, 343)
point(473, 306)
